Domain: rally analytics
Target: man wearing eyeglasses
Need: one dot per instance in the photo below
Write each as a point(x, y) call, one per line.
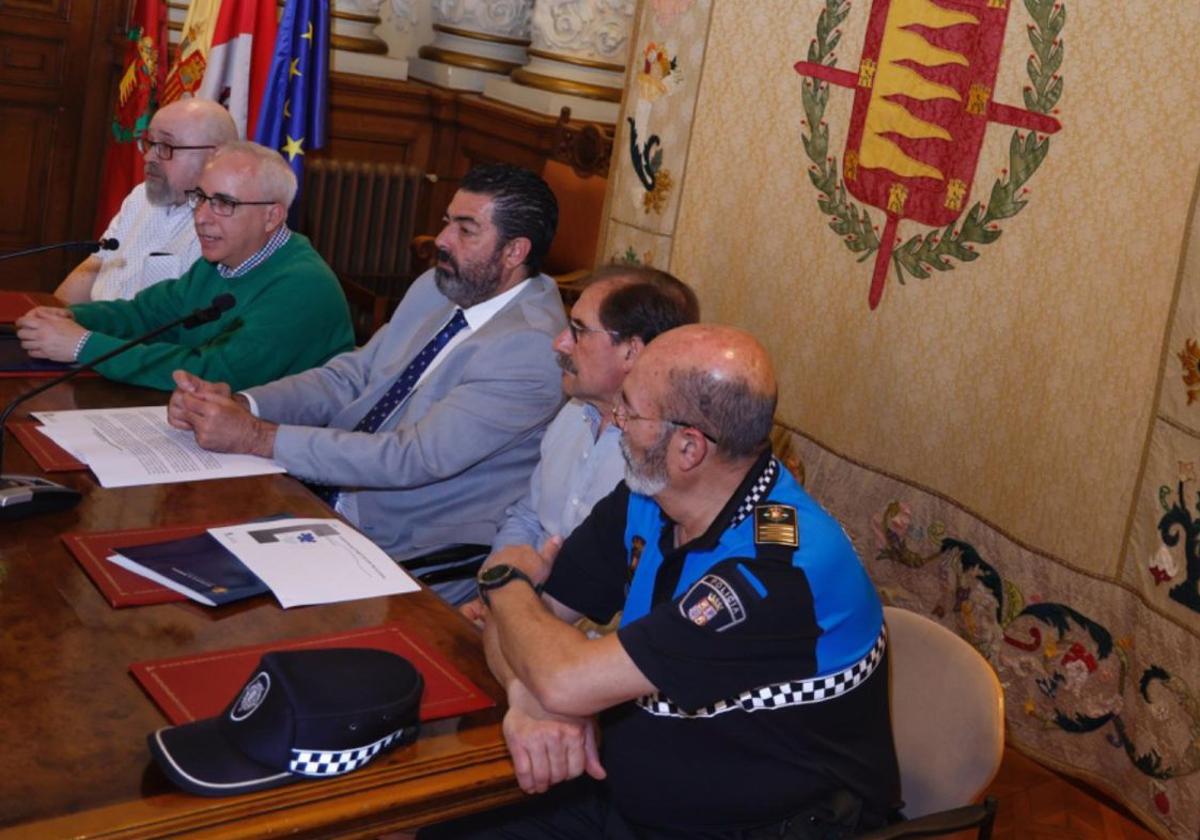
point(745, 693)
point(423, 436)
point(620, 310)
point(290, 313)
point(154, 226)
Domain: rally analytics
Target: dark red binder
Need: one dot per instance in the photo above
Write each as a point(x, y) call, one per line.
point(120, 587)
point(49, 455)
point(13, 305)
point(199, 686)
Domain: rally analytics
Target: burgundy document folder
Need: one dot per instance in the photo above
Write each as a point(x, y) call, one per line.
point(122, 588)
point(49, 455)
point(199, 686)
point(13, 305)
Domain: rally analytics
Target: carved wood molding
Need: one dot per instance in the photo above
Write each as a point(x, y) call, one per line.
point(586, 147)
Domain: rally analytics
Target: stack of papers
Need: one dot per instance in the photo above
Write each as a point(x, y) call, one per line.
point(126, 447)
point(301, 561)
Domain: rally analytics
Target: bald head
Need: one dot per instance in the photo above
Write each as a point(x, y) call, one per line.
point(200, 121)
point(717, 378)
point(180, 140)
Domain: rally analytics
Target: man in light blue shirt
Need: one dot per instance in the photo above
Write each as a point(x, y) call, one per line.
point(619, 311)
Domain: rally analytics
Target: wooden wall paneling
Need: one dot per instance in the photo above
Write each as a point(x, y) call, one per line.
point(379, 120)
point(54, 89)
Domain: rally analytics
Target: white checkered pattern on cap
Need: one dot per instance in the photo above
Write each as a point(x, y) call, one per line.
point(757, 491)
point(780, 695)
point(335, 763)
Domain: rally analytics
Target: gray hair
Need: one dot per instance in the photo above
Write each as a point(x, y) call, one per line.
point(272, 176)
point(737, 417)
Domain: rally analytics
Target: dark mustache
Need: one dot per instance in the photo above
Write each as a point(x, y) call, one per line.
point(444, 256)
point(565, 362)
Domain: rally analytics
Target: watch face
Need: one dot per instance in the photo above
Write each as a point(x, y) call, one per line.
point(495, 574)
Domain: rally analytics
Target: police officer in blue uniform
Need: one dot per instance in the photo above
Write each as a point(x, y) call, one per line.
point(745, 692)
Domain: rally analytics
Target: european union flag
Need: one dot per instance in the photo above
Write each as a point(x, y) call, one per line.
point(295, 102)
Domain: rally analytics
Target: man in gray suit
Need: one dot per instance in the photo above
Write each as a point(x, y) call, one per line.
point(426, 434)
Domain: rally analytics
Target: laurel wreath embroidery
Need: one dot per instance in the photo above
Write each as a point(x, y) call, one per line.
point(979, 226)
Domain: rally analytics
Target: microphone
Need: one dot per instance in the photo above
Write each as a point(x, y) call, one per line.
point(221, 303)
point(28, 495)
point(89, 245)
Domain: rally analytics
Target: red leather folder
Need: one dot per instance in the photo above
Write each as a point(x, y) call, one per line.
point(122, 588)
point(49, 455)
point(13, 305)
point(188, 688)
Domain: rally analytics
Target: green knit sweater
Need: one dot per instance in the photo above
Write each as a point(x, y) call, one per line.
point(290, 316)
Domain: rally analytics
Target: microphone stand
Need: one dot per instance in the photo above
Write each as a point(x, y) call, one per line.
point(89, 245)
point(26, 495)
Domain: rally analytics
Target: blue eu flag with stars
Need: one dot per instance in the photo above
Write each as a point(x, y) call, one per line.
point(295, 102)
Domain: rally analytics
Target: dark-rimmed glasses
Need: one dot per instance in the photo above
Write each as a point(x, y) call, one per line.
point(622, 415)
point(163, 151)
point(221, 204)
point(578, 328)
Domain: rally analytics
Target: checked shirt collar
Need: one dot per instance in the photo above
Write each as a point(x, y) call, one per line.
point(277, 241)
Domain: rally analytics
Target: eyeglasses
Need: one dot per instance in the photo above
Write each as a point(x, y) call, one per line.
point(163, 151)
point(622, 415)
point(222, 205)
point(576, 327)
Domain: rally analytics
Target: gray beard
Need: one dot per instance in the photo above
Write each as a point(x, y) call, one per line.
point(158, 193)
point(465, 291)
point(650, 477)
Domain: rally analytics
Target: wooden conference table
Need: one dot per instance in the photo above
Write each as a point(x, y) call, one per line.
point(73, 722)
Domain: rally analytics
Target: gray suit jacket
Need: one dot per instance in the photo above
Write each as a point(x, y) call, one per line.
point(443, 467)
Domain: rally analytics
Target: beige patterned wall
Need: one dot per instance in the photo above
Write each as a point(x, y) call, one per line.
point(1031, 402)
point(1005, 383)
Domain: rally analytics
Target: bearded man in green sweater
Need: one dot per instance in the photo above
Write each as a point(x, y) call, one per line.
point(290, 314)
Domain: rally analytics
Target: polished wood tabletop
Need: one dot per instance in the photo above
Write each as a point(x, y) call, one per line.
point(74, 722)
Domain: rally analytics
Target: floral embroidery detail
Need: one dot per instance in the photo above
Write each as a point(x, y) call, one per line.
point(1072, 674)
point(1162, 565)
point(1178, 523)
point(666, 12)
point(659, 75)
point(1189, 359)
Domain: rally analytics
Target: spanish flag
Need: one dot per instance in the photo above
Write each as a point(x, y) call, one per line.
point(224, 55)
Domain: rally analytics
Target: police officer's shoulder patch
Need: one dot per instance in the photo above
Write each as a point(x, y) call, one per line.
point(712, 603)
point(775, 524)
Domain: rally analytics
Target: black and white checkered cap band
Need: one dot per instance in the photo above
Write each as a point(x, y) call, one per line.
point(757, 491)
point(319, 763)
point(780, 695)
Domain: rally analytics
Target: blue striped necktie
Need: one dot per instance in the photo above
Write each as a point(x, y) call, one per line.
point(400, 390)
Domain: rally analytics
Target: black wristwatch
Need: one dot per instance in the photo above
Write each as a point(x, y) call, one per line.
point(499, 575)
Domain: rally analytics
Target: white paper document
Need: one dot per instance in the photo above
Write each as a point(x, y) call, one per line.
point(314, 561)
point(125, 447)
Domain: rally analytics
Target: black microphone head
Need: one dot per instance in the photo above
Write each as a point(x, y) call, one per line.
point(109, 244)
point(221, 303)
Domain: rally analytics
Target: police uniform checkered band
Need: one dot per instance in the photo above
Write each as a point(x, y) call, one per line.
point(780, 695)
point(277, 240)
point(757, 491)
point(335, 763)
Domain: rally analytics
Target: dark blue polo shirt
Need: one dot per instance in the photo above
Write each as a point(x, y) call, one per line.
point(763, 637)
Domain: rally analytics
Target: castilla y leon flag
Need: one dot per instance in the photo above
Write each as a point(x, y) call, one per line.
point(145, 65)
point(224, 55)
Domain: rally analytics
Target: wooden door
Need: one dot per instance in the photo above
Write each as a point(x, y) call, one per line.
point(58, 60)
